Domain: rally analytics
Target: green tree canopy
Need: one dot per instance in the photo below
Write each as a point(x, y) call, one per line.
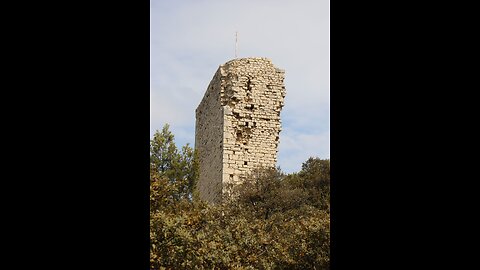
point(179, 168)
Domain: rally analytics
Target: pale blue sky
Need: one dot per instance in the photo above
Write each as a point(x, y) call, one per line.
point(190, 39)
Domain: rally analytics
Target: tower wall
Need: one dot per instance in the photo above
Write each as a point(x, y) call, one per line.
point(238, 123)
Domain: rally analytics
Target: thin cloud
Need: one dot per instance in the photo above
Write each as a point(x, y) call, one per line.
point(296, 147)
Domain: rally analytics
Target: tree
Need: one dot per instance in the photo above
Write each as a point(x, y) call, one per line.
point(316, 177)
point(173, 177)
point(287, 219)
point(179, 168)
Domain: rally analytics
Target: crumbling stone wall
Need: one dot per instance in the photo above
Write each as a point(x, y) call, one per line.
point(238, 123)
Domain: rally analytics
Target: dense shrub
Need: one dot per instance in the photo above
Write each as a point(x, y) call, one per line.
point(271, 221)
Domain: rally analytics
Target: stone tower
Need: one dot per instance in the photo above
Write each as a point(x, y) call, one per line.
point(238, 123)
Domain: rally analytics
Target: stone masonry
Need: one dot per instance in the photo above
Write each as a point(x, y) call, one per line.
point(238, 124)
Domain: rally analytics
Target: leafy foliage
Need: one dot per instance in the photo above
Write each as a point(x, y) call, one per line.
point(271, 221)
point(178, 168)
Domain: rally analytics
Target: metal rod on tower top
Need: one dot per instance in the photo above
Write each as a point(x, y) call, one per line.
point(236, 41)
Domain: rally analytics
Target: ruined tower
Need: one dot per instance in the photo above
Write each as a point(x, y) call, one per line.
point(238, 123)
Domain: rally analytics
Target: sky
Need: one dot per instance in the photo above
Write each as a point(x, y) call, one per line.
point(190, 39)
